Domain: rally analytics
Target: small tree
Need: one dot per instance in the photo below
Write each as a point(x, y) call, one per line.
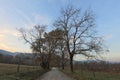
point(78, 32)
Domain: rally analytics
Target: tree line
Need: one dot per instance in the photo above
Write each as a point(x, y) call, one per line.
point(73, 33)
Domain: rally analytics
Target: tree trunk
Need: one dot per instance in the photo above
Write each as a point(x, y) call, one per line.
point(62, 65)
point(49, 60)
point(71, 63)
point(18, 68)
point(63, 60)
point(48, 65)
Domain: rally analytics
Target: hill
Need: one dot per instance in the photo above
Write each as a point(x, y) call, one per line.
point(15, 57)
point(4, 52)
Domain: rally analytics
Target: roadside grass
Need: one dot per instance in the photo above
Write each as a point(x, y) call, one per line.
point(8, 72)
point(88, 75)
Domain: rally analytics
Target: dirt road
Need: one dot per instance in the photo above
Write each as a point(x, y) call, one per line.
point(54, 74)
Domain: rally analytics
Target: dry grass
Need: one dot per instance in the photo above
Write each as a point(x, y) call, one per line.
point(9, 72)
point(88, 75)
point(12, 68)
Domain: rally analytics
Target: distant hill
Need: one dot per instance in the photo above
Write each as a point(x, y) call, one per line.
point(12, 57)
point(5, 53)
point(8, 53)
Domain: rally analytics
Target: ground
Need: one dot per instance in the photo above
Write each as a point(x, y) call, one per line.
point(54, 74)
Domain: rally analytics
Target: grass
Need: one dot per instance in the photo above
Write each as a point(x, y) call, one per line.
point(8, 72)
point(87, 75)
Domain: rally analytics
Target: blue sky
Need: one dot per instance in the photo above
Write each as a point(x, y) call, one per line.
point(16, 14)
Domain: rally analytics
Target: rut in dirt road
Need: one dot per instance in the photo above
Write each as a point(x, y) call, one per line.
point(54, 74)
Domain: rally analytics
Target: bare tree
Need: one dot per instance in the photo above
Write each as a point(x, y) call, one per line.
point(61, 48)
point(79, 32)
point(36, 40)
point(51, 40)
point(56, 44)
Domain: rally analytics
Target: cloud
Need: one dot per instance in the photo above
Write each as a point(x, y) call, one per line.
point(1, 36)
point(9, 35)
point(7, 30)
point(9, 38)
point(79, 57)
point(33, 19)
point(37, 20)
point(6, 47)
point(42, 19)
point(24, 16)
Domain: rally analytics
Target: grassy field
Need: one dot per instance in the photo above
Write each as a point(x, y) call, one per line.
point(8, 72)
point(87, 75)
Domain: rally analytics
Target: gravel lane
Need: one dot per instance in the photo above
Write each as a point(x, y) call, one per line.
point(54, 74)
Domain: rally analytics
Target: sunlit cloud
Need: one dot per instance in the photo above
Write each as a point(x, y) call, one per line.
point(5, 31)
point(1, 36)
point(9, 38)
point(6, 47)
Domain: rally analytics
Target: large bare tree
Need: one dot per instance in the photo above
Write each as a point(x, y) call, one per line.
point(35, 37)
point(79, 32)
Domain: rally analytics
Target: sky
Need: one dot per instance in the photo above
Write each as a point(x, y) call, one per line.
point(15, 14)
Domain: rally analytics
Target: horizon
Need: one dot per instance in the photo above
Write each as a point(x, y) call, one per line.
point(23, 14)
point(75, 58)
